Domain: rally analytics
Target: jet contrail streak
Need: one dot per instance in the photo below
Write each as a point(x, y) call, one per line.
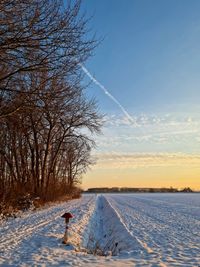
point(108, 94)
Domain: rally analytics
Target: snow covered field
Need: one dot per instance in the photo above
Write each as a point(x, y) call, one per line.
point(127, 229)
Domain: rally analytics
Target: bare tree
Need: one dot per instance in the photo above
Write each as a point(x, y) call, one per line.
point(45, 118)
point(38, 35)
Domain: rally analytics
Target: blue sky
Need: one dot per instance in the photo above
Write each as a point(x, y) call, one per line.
point(149, 60)
point(149, 55)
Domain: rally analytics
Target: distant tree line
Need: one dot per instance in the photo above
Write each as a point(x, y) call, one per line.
point(137, 190)
point(46, 120)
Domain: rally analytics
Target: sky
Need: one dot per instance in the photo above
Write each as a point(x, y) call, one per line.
point(145, 76)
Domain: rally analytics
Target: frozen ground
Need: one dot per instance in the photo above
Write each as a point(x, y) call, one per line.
point(108, 230)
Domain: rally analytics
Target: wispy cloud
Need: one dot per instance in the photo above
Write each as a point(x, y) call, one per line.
point(159, 133)
point(128, 116)
point(154, 120)
point(145, 160)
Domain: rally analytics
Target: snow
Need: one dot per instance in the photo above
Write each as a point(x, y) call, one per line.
point(107, 230)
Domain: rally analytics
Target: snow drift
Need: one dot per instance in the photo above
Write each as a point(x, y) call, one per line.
point(106, 234)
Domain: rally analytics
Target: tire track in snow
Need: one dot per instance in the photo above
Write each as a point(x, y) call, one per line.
point(168, 233)
point(147, 251)
point(144, 246)
point(128, 220)
point(29, 225)
point(167, 205)
point(12, 240)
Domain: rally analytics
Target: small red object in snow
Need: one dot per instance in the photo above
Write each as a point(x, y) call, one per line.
point(67, 215)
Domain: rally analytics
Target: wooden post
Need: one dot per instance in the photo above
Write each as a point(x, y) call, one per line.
point(65, 238)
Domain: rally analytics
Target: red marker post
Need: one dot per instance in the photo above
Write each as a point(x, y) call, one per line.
point(67, 217)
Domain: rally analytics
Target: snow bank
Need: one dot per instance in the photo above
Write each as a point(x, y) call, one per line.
point(106, 233)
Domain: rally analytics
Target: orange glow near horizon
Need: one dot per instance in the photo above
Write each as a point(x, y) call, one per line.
point(163, 171)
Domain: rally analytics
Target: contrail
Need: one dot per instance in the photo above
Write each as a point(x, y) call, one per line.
point(108, 94)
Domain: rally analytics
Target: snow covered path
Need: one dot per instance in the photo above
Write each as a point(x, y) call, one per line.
point(127, 229)
point(31, 239)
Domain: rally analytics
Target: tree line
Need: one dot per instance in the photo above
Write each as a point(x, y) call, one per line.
point(138, 190)
point(46, 121)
